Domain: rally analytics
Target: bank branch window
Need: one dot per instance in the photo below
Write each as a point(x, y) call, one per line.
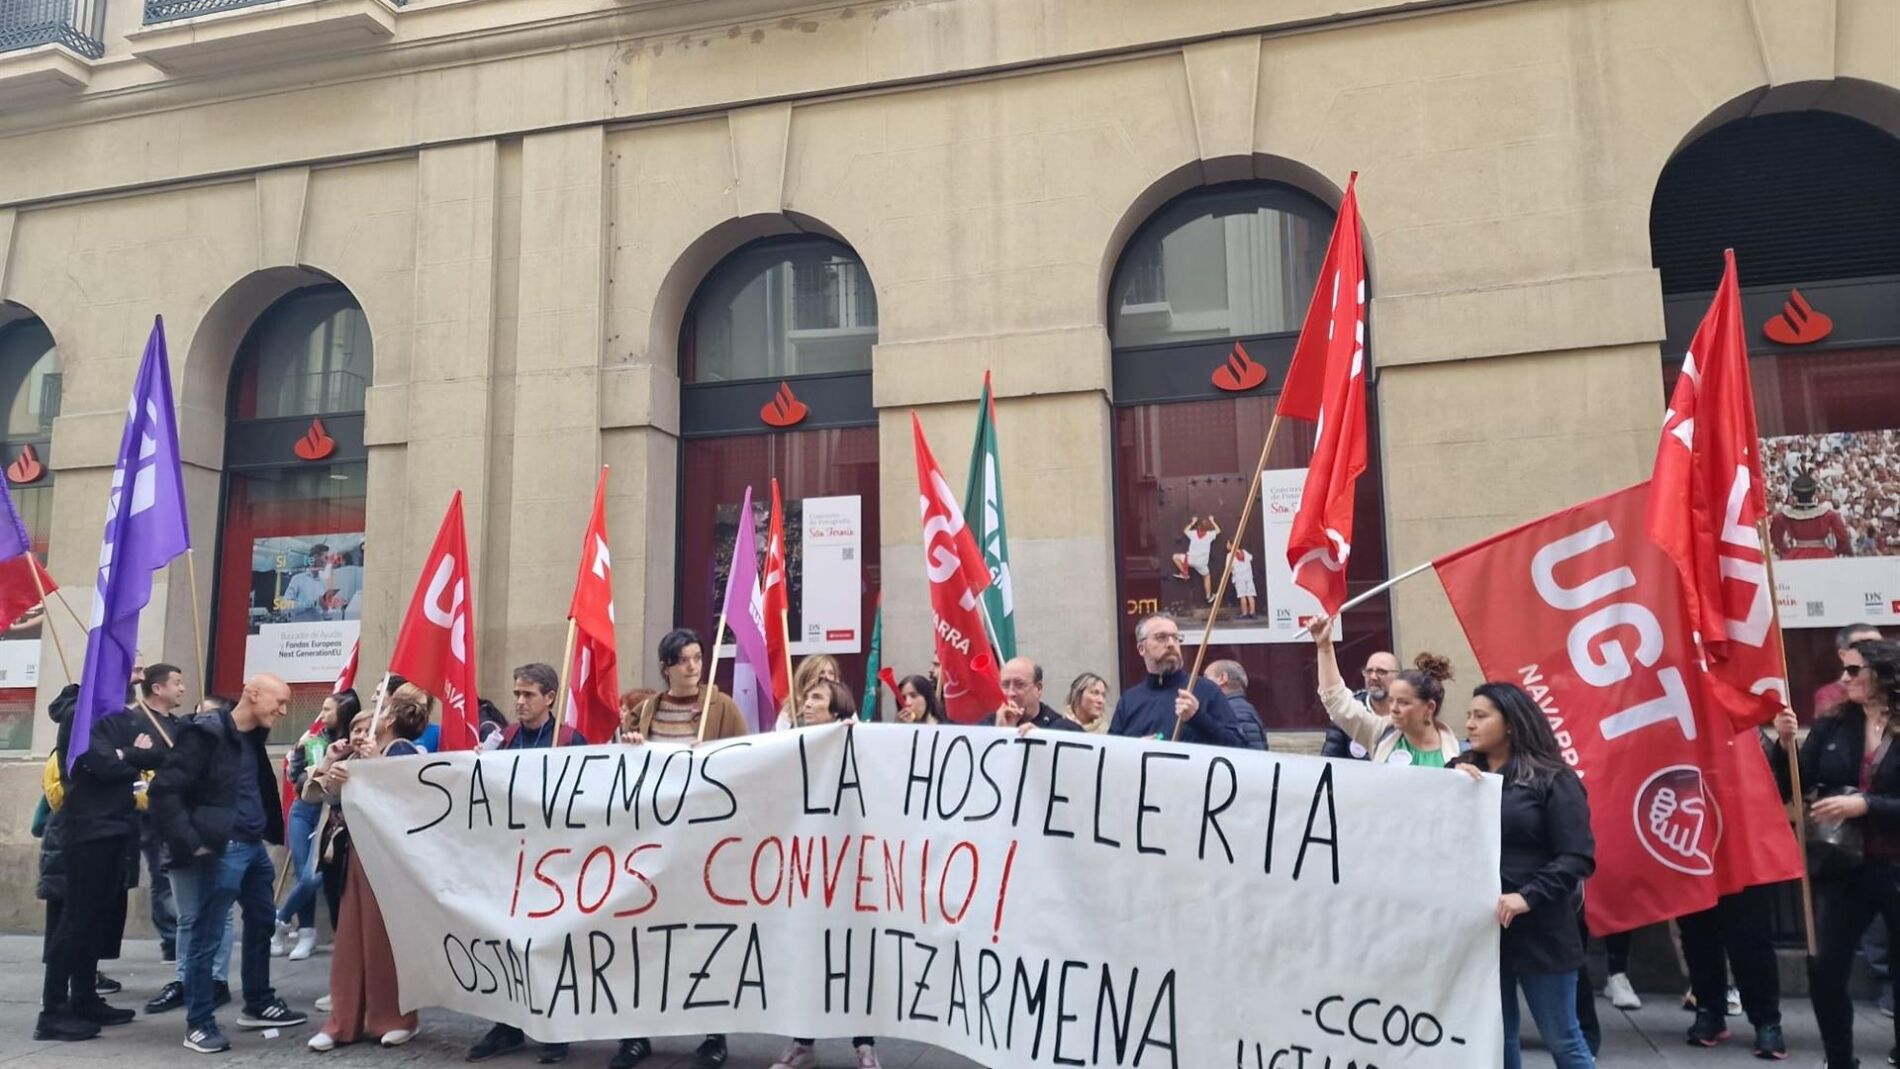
point(29, 390)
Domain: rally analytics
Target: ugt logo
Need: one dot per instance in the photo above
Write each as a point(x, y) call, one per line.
point(1677, 820)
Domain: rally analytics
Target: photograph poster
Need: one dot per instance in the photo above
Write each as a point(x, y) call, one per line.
point(306, 605)
point(1834, 521)
point(823, 547)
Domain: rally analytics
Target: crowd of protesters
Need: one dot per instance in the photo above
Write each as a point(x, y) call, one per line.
point(196, 797)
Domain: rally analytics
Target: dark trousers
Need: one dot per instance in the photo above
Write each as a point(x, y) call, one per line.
point(1734, 935)
point(89, 918)
point(164, 905)
point(1845, 907)
point(1616, 949)
point(336, 872)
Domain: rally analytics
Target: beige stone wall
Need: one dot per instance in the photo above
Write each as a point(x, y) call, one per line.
point(525, 215)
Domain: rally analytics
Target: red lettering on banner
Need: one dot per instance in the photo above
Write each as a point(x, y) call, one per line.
point(560, 896)
point(712, 856)
point(653, 893)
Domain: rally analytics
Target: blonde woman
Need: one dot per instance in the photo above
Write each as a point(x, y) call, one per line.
point(818, 666)
point(1088, 703)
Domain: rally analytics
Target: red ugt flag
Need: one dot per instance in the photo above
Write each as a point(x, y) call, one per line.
point(1327, 383)
point(18, 595)
point(593, 692)
point(972, 688)
point(776, 601)
point(1584, 612)
point(1705, 501)
point(435, 649)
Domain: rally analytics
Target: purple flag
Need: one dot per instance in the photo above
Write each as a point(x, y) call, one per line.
point(145, 530)
point(745, 618)
point(13, 538)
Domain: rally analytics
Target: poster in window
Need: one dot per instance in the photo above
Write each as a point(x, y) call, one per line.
point(1834, 520)
point(1262, 604)
point(20, 649)
point(824, 570)
point(306, 605)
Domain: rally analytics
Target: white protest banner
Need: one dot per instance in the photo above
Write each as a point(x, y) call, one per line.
point(1050, 899)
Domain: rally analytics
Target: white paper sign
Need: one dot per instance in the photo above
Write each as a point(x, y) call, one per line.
point(1024, 901)
point(19, 663)
point(831, 593)
point(301, 653)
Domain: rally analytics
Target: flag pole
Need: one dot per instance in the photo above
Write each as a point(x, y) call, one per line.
point(1794, 752)
point(197, 622)
point(60, 597)
point(1355, 602)
point(712, 669)
point(46, 615)
point(567, 667)
point(1226, 573)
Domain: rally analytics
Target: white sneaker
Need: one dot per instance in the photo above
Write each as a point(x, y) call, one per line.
point(797, 1056)
point(399, 1036)
point(323, 1004)
point(1620, 993)
point(322, 1043)
point(1734, 1003)
point(280, 937)
point(306, 944)
point(867, 1057)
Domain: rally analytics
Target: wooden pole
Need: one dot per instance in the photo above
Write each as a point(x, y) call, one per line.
point(197, 623)
point(60, 596)
point(46, 615)
point(706, 679)
point(1794, 752)
point(567, 666)
point(1227, 572)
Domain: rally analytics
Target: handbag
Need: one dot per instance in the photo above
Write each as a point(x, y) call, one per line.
point(1835, 847)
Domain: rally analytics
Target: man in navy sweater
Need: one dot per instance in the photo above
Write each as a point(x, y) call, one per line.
point(1151, 708)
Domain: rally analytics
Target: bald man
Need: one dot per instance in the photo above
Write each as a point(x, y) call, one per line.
point(215, 802)
point(1378, 673)
point(1022, 699)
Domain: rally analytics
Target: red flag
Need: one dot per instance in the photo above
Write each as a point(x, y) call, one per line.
point(776, 601)
point(1585, 612)
point(1705, 502)
point(346, 679)
point(17, 592)
point(971, 687)
point(1327, 383)
point(435, 649)
point(593, 691)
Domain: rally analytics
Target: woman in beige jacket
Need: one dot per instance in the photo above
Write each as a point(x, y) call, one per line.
point(1412, 734)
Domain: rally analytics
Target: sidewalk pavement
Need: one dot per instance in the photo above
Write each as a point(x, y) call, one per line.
point(1649, 1038)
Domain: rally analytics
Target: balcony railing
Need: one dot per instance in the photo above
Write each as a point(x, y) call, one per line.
point(76, 24)
point(169, 10)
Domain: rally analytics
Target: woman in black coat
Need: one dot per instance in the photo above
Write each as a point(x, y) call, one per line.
point(1548, 851)
point(1850, 761)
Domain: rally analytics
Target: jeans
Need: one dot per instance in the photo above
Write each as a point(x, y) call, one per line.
point(1844, 908)
point(301, 902)
point(221, 964)
point(164, 905)
point(208, 885)
point(1552, 998)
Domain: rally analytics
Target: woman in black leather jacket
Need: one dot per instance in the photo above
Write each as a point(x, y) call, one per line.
point(1850, 761)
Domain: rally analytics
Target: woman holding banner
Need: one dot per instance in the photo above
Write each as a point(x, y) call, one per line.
point(1548, 851)
point(1851, 768)
point(1413, 734)
point(363, 995)
point(818, 666)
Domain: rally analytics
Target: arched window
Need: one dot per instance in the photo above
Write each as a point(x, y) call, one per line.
point(775, 369)
point(1204, 307)
point(29, 390)
point(1810, 201)
point(290, 566)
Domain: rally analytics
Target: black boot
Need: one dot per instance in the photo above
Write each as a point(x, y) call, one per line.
point(63, 1027)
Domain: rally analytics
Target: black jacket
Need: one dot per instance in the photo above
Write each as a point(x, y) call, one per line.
point(1548, 851)
point(1146, 711)
point(194, 798)
point(1338, 743)
point(1046, 718)
point(99, 802)
point(1247, 719)
point(1830, 758)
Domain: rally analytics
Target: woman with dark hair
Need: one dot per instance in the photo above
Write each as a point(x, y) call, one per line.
point(364, 999)
point(297, 917)
point(1548, 851)
point(1851, 771)
point(1413, 733)
point(918, 704)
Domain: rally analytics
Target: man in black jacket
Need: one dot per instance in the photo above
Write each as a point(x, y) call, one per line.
point(1022, 693)
point(1231, 678)
point(97, 826)
point(1378, 673)
point(215, 801)
point(160, 690)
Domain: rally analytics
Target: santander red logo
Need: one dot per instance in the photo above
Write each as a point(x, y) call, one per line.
point(316, 442)
point(784, 409)
point(1239, 373)
point(1797, 323)
point(1677, 820)
point(26, 468)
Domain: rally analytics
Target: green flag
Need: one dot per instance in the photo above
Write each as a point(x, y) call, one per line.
point(873, 664)
point(983, 511)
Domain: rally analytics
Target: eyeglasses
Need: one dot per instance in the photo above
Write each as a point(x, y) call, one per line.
point(1165, 637)
point(1851, 670)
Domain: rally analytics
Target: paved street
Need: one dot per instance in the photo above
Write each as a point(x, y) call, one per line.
point(1650, 1037)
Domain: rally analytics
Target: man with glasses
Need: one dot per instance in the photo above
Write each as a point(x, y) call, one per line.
point(1151, 709)
point(1022, 699)
point(1378, 673)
